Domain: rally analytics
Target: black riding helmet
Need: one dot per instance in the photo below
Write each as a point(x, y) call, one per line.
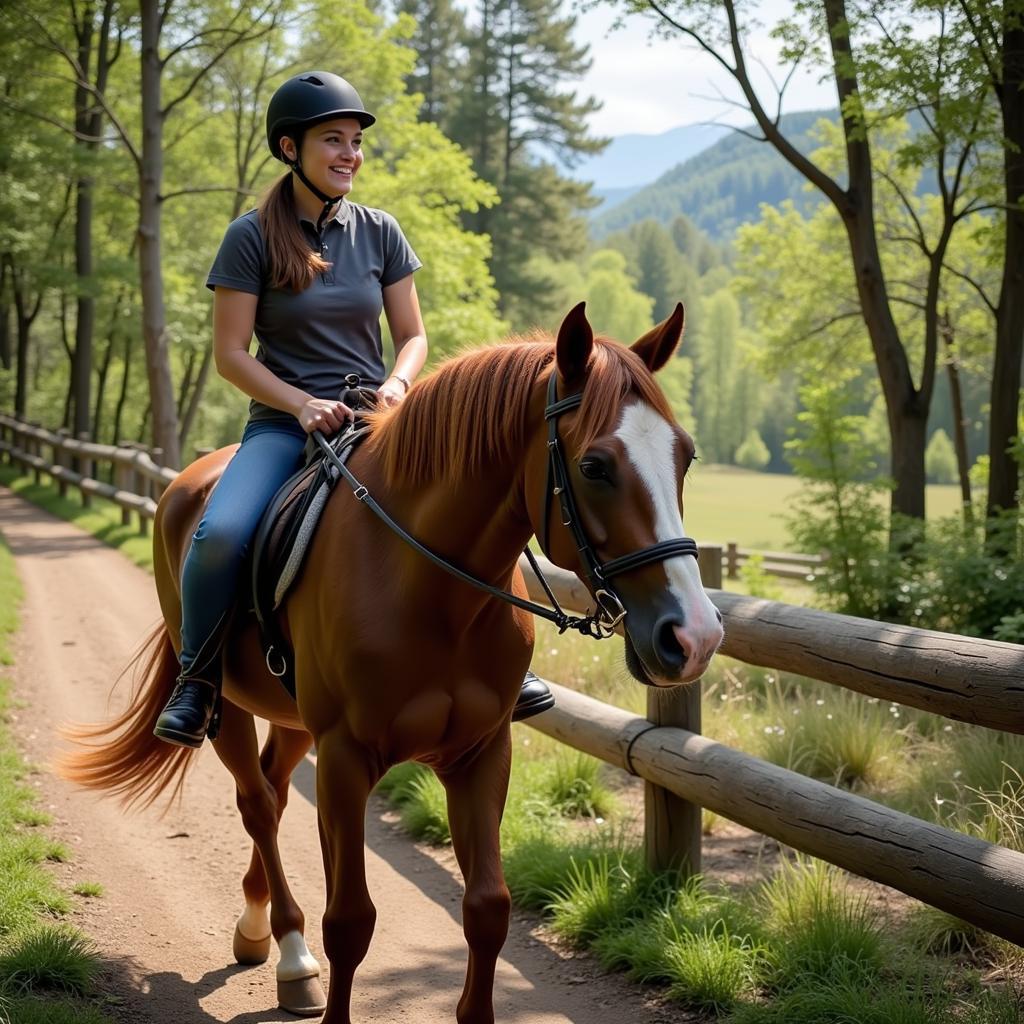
point(304, 101)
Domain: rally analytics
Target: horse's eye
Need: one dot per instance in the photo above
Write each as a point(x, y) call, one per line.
point(594, 469)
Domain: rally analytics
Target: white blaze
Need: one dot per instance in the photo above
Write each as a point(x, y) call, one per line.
point(649, 442)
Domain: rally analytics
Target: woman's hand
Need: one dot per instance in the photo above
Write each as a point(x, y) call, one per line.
point(324, 414)
point(391, 392)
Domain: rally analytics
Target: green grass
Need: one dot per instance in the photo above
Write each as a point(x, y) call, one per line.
point(726, 503)
point(46, 967)
point(802, 947)
point(90, 890)
point(102, 519)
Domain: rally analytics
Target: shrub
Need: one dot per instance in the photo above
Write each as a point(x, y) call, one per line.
point(753, 452)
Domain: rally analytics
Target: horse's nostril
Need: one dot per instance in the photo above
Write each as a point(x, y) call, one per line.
point(718, 615)
point(670, 652)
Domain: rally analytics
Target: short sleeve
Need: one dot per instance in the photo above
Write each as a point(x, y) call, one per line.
point(239, 261)
point(399, 259)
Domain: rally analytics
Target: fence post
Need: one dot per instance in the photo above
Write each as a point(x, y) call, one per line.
point(732, 560)
point(672, 825)
point(35, 446)
point(85, 467)
point(123, 475)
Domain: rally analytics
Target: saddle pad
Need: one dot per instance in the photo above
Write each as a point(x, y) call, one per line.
point(282, 540)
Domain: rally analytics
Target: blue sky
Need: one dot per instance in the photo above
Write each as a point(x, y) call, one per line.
point(649, 85)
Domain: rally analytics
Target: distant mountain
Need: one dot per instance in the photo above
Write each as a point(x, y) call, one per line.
point(722, 186)
point(612, 197)
point(631, 161)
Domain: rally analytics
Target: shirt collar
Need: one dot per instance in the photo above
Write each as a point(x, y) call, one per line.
point(341, 215)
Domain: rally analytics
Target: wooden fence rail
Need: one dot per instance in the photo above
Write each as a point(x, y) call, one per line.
point(975, 880)
point(964, 678)
point(775, 563)
point(138, 479)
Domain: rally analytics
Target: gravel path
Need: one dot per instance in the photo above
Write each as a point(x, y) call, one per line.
point(172, 883)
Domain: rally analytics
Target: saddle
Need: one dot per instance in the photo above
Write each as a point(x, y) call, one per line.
point(287, 528)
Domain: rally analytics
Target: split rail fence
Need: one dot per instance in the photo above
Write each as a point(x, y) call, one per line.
point(970, 680)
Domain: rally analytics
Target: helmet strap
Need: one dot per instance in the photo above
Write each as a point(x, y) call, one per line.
point(327, 200)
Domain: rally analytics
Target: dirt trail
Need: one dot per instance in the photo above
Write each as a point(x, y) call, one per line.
point(172, 884)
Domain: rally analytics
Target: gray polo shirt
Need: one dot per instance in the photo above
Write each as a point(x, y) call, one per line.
point(312, 339)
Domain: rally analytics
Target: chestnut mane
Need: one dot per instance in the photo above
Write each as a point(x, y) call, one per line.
point(472, 410)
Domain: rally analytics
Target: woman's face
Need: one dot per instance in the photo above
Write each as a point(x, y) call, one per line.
point(331, 154)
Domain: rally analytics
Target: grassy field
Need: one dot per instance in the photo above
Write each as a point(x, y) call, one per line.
point(725, 503)
point(46, 967)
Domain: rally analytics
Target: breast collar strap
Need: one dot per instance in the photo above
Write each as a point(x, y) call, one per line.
point(558, 483)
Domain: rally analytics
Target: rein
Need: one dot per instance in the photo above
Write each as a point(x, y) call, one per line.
point(601, 623)
point(587, 625)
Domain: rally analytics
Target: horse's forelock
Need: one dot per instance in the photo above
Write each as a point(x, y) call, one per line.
point(472, 410)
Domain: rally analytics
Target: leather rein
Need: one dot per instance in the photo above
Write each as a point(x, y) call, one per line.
point(599, 624)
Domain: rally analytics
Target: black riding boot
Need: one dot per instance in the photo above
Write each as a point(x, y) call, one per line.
point(192, 713)
point(534, 698)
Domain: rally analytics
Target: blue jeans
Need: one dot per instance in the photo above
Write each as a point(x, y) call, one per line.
point(271, 452)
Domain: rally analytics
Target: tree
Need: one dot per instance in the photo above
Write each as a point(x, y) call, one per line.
point(753, 453)
point(718, 372)
point(657, 260)
point(997, 32)
point(513, 107)
point(824, 30)
point(940, 459)
point(438, 44)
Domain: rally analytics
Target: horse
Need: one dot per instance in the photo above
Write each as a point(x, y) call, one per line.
point(397, 660)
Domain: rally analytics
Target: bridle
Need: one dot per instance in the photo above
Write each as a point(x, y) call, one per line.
point(609, 612)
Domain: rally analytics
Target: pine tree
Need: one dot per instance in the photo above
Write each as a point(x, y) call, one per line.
point(439, 43)
point(514, 105)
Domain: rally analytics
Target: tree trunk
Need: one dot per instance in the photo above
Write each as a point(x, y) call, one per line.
point(86, 312)
point(189, 415)
point(123, 395)
point(5, 315)
point(907, 408)
point(1006, 367)
point(5, 335)
point(154, 328)
point(963, 465)
point(101, 382)
point(21, 385)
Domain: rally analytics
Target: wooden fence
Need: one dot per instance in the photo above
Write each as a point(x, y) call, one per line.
point(963, 678)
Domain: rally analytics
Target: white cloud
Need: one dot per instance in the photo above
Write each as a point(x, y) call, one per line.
point(650, 84)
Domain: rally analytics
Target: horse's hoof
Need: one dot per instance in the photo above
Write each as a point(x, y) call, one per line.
point(250, 951)
point(303, 996)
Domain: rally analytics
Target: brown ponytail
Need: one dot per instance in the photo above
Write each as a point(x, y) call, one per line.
point(292, 264)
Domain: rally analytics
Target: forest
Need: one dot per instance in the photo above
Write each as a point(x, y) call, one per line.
point(853, 279)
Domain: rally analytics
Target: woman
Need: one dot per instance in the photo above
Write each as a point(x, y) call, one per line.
point(309, 273)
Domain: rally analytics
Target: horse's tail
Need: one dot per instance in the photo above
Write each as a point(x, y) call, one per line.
point(124, 758)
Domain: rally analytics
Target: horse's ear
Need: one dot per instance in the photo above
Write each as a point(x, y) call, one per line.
point(574, 345)
point(655, 348)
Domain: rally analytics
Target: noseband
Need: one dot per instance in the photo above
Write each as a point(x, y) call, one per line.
point(610, 611)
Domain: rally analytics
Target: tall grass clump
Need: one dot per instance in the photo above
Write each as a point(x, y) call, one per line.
point(608, 893)
point(575, 789)
point(818, 927)
point(833, 735)
point(47, 957)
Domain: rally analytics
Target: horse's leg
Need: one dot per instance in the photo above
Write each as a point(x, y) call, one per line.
point(476, 799)
point(283, 750)
point(298, 983)
point(344, 779)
